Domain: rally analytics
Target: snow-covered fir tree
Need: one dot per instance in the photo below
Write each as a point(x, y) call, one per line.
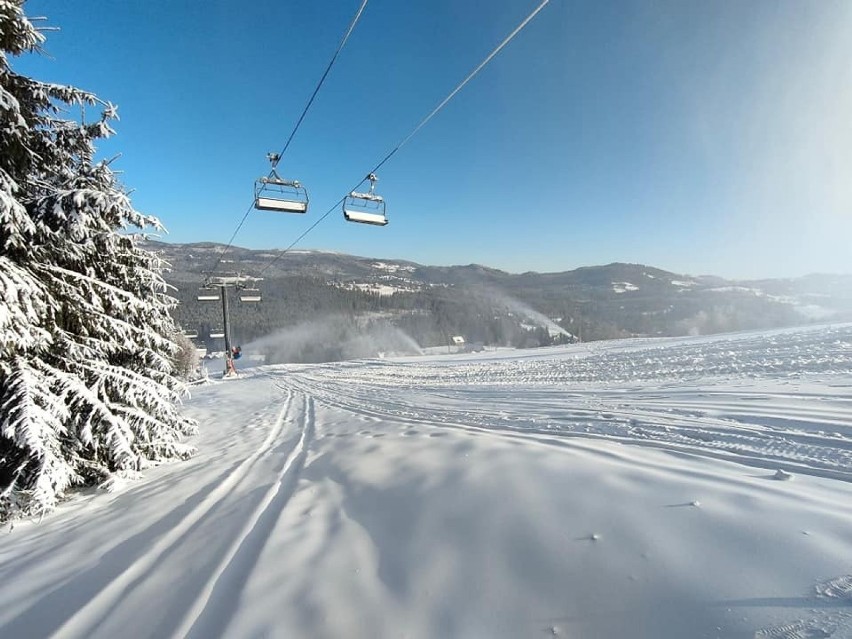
point(87, 385)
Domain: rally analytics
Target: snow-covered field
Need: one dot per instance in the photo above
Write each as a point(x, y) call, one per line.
point(619, 489)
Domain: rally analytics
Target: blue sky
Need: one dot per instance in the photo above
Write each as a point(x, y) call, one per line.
point(699, 137)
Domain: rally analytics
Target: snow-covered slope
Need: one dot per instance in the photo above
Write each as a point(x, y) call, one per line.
point(622, 489)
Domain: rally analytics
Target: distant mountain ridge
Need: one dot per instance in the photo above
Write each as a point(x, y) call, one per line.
point(487, 305)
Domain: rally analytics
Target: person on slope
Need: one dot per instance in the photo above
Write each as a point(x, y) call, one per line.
point(230, 369)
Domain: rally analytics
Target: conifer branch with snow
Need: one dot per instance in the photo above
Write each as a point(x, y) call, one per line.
point(87, 383)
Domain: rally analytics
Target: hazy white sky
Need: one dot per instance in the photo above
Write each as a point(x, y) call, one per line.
point(781, 117)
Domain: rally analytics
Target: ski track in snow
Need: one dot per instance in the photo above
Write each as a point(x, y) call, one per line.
point(834, 624)
point(211, 600)
point(837, 588)
point(208, 615)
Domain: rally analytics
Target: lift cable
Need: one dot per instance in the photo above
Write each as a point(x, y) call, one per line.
point(325, 75)
point(415, 130)
point(452, 94)
point(340, 46)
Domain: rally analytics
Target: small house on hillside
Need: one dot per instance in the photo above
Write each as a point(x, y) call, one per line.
point(457, 343)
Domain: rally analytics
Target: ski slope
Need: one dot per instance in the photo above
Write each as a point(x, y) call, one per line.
point(618, 489)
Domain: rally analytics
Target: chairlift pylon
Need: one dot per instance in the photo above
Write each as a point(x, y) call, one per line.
point(274, 193)
point(365, 208)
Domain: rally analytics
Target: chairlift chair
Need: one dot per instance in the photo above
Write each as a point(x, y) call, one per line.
point(191, 334)
point(208, 294)
point(274, 193)
point(217, 334)
point(365, 208)
point(250, 295)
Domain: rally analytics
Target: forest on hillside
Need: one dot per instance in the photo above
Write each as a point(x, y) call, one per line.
point(522, 317)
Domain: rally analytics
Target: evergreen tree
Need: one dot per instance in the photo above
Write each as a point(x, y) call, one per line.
point(87, 386)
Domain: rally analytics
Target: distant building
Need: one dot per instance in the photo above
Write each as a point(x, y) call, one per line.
point(456, 344)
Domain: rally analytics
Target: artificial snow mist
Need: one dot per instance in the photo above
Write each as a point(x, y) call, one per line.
point(87, 378)
point(333, 338)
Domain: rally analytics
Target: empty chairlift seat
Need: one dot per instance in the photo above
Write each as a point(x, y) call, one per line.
point(274, 193)
point(208, 294)
point(250, 295)
point(365, 208)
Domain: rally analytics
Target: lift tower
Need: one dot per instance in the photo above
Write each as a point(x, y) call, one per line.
point(222, 283)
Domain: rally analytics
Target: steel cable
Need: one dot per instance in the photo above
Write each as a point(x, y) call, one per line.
point(340, 46)
point(416, 129)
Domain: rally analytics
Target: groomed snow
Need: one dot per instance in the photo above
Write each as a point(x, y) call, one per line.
point(618, 489)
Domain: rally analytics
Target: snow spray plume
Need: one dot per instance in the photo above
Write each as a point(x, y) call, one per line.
point(499, 298)
point(332, 339)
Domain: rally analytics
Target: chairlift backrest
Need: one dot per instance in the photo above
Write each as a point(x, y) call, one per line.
point(284, 206)
point(376, 219)
point(217, 334)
